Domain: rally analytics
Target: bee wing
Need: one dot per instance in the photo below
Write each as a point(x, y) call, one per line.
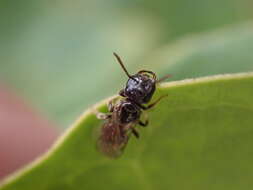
point(112, 140)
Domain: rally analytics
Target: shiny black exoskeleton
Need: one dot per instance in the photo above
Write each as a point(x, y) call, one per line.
point(125, 113)
point(140, 87)
point(128, 112)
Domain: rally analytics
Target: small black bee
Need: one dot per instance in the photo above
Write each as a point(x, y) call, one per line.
point(125, 113)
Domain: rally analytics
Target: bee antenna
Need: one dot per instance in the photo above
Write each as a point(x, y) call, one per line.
point(122, 65)
point(163, 78)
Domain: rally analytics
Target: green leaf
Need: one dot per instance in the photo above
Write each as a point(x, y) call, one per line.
point(200, 137)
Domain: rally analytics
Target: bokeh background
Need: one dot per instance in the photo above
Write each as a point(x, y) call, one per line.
point(56, 57)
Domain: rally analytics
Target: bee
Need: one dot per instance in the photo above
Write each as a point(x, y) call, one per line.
point(125, 113)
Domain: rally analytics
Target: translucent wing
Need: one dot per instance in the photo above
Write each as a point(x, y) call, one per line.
point(112, 140)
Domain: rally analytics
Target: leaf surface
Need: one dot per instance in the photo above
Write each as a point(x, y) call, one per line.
point(200, 137)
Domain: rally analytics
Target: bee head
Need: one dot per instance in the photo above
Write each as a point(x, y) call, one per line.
point(141, 87)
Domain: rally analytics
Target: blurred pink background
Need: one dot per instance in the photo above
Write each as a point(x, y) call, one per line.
point(24, 133)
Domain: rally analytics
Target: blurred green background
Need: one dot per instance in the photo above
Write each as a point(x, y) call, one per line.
point(58, 54)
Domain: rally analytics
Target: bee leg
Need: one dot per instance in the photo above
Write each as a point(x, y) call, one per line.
point(143, 124)
point(154, 103)
point(103, 116)
point(145, 118)
point(136, 134)
point(122, 93)
point(110, 106)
